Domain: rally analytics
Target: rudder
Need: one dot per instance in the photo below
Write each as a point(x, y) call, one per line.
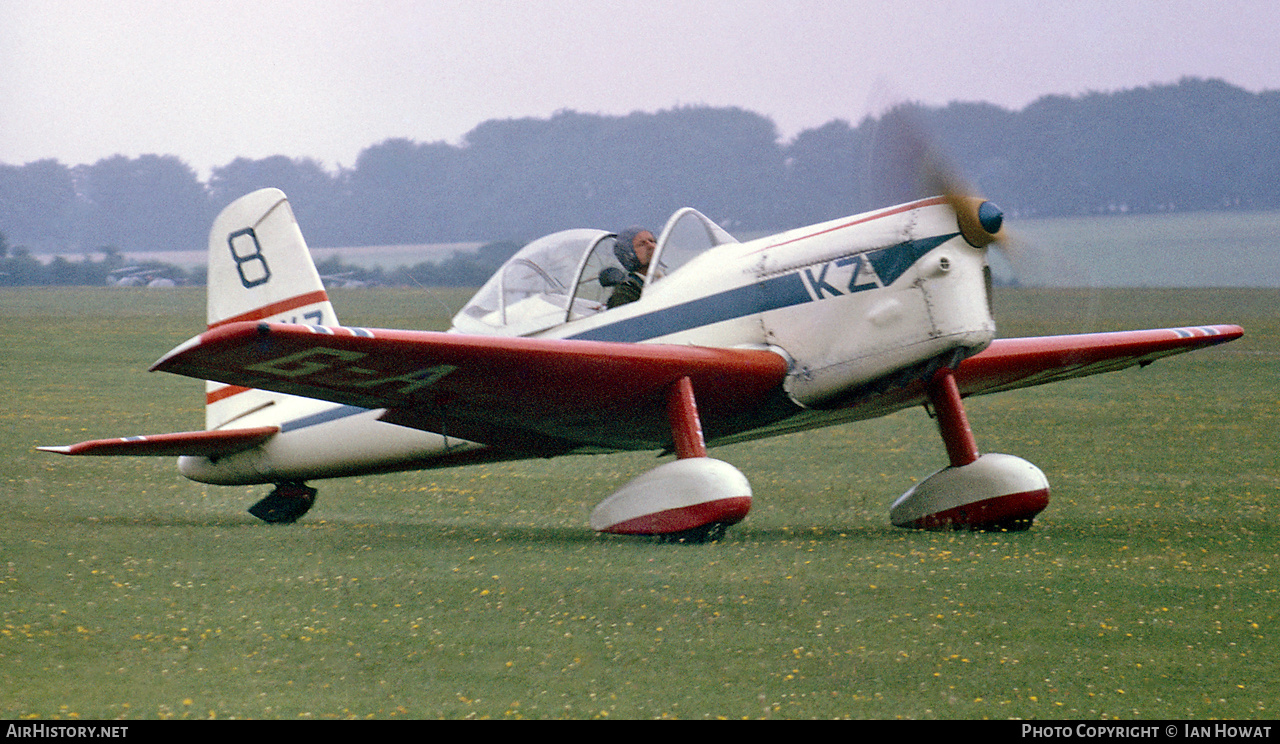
point(259, 269)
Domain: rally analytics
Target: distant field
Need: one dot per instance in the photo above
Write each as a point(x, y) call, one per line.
point(1200, 249)
point(1148, 589)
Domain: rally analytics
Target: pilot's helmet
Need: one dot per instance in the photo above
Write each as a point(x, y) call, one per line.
point(625, 250)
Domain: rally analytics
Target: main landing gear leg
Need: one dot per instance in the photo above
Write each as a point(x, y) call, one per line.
point(285, 504)
point(977, 492)
point(693, 499)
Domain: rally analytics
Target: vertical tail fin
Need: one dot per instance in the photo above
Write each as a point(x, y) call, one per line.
point(259, 269)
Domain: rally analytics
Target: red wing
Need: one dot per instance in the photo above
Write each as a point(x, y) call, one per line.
point(204, 443)
point(1012, 363)
point(525, 393)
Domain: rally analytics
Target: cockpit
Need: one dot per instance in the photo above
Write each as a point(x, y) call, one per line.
point(570, 275)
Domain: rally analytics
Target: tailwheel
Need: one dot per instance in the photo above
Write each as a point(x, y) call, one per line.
point(285, 504)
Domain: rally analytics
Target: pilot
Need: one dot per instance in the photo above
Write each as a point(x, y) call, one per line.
point(634, 249)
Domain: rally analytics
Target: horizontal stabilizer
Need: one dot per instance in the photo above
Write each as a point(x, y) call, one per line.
point(201, 443)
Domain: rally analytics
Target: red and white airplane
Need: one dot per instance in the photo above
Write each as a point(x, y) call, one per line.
point(837, 322)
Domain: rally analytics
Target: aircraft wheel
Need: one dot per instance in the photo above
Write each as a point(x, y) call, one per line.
point(285, 504)
point(994, 493)
point(689, 500)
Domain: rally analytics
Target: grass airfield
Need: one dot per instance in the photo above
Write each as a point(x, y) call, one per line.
point(1148, 589)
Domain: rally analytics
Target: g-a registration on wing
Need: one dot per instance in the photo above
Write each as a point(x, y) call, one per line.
point(729, 341)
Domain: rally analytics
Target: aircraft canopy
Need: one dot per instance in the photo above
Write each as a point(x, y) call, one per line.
point(556, 279)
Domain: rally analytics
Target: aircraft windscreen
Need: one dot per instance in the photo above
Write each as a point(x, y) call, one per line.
point(688, 234)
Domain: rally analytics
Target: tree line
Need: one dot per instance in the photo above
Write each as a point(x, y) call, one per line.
point(1194, 145)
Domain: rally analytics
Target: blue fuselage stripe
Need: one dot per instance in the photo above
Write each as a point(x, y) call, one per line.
point(771, 294)
point(333, 414)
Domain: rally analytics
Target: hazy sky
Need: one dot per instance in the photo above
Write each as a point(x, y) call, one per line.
point(210, 81)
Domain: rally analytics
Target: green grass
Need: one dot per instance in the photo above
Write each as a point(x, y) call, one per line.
point(1148, 589)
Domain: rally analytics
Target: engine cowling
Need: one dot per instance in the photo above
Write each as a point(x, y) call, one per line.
point(994, 492)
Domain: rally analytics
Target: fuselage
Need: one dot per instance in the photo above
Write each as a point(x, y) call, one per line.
point(854, 306)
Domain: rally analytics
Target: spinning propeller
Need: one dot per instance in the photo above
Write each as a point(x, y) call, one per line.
point(907, 163)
